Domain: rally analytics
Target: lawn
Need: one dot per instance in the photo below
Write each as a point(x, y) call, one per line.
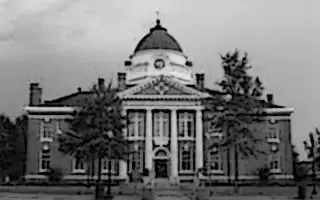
point(82, 193)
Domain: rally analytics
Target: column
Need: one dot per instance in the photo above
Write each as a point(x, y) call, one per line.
point(174, 144)
point(123, 164)
point(148, 142)
point(199, 140)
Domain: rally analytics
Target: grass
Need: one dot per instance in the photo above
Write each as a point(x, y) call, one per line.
point(289, 191)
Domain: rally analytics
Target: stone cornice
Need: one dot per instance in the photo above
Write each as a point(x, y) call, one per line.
point(192, 93)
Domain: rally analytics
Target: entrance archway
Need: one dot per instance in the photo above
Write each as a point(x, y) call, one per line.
point(161, 163)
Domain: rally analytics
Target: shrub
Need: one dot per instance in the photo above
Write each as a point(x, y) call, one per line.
point(55, 175)
point(264, 175)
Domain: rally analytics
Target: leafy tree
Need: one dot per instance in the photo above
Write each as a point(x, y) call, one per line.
point(313, 153)
point(7, 149)
point(96, 131)
point(20, 144)
point(295, 161)
point(237, 108)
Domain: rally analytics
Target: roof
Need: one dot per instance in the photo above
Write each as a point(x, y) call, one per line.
point(82, 97)
point(158, 38)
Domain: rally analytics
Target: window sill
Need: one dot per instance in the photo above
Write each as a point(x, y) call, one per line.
point(135, 138)
point(274, 171)
point(185, 138)
point(186, 171)
point(43, 171)
point(273, 140)
point(215, 172)
point(78, 171)
point(46, 140)
point(107, 171)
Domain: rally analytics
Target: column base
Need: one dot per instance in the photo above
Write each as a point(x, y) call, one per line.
point(174, 180)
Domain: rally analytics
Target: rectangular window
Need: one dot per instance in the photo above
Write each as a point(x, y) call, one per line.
point(161, 124)
point(45, 158)
point(47, 129)
point(186, 125)
point(105, 166)
point(273, 135)
point(186, 158)
point(214, 162)
point(136, 127)
point(78, 166)
point(136, 159)
point(275, 163)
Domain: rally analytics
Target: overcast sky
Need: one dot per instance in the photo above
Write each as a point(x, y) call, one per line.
point(67, 44)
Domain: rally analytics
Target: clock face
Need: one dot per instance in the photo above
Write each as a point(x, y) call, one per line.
point(159, 64)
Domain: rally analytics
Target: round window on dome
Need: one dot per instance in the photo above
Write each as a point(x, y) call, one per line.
point(159, 64)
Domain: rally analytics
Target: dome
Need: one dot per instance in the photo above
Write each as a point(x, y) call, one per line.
point(158, 38)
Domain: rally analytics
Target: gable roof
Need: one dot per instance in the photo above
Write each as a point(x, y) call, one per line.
point(82, 97)
point(187, 91)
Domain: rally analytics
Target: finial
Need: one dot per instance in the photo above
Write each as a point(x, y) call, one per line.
point(158, 20)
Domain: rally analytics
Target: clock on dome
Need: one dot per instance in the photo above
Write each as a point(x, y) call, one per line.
point(159, 64)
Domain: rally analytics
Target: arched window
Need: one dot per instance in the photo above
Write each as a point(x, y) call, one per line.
point(136, 158)
point(214, 160)
point(186, 158)
point(45, 158)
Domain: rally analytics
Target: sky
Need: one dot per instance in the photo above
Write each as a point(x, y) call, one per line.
point(65, 44)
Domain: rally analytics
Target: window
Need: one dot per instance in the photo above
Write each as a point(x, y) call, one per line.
point(136, 127)
point(275, 163)
point(136, 160)
point(105, 166)
point(214, 161)
point(78, 166)
point(47, 130)
point(273, 135)
point(186, 125)
point(161, 124)
point(59, 127)
point(186, 158)
point(45, 158)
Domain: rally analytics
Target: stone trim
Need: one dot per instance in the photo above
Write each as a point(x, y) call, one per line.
point(70, 110)
point(168, 80)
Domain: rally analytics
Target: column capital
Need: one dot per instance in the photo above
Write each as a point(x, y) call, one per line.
point(149, 109)
point(199, 109)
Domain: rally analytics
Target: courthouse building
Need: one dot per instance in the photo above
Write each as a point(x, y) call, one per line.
point(165, 98)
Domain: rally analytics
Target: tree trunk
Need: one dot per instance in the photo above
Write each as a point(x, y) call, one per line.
point(109, 178)
point(228, 159)
point(236, 169)
point(98, 182)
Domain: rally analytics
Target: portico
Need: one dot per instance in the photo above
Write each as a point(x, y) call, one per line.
point(162, 147)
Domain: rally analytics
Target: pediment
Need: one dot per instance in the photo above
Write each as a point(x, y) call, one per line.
point(162, 87)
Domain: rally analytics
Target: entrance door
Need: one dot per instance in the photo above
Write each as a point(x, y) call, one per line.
point(161, 168)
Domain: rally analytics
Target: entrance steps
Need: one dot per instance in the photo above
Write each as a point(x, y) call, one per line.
point(164, 184)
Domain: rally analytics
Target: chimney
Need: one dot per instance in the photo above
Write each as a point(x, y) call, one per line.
point(121, 81)
point(79, 89)
point(270, 98)
point(35, 94)
point(200, 80)
point(101, 83)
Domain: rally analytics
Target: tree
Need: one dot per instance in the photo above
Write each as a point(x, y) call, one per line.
point(7, 150)
point(238, 106)
point(313, 153)
point(295, 161)
point(97, 131)
point(21, 141)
